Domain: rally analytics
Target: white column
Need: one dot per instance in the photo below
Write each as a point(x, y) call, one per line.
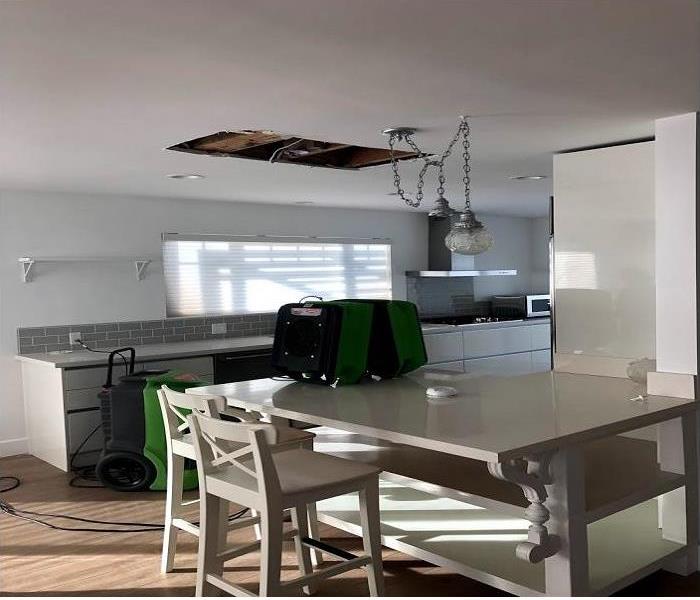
point(676, 220)
point(676, 198)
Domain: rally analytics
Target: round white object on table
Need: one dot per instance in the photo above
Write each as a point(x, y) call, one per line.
point(441, 391)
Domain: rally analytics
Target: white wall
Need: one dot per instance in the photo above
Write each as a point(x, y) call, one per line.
point(64, 225)
point(604, 265)
point(519, 243)
point(676, 163)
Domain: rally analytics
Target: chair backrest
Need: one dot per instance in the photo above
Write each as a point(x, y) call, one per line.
point(175, 406)
point(224, 444)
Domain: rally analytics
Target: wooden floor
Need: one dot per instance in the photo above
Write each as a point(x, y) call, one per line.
point(39, 561)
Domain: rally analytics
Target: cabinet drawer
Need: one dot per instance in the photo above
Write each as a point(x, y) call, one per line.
point(541, 361)
point(80, 424)
point(508, 364)
point(199, 365)
point(490, 342)
point(95, 377)
point(455, 366)
point(444, 347)
point(91, 377)
point(81, 399)
point(540, 336)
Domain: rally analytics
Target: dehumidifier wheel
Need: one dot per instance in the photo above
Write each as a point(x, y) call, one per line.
point(125, 471)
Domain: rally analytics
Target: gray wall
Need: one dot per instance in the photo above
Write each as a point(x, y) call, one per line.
point(87, 225)
point(519, 243)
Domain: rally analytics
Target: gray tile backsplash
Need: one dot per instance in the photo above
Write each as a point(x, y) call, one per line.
point(102, 336)
point(442, 296)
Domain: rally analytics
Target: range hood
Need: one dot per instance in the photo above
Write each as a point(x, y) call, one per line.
point(443, 263)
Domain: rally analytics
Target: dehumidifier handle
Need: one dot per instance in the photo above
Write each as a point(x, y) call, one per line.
point(110, 363)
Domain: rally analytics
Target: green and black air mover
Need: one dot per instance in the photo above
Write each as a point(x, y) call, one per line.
point(340, 342)
point(323, 342)
point(134, 455)
point(396, 343)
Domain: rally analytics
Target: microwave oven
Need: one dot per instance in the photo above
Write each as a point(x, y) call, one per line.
point(526, 306)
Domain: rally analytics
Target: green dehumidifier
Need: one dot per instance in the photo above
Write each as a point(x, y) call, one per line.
point(134, 456)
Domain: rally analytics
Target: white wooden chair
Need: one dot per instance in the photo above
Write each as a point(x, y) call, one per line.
point(174, 406)
point(270, 479)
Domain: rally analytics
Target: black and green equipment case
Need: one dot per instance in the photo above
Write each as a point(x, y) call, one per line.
point(324, 342)
point(396, 343)
point(340, 342)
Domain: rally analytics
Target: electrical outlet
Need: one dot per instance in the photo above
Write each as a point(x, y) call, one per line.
point(73, 338)
point(218, 327)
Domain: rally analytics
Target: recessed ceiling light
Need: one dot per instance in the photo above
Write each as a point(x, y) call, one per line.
point(186, 176)
point(527, 177)
point(303, 202)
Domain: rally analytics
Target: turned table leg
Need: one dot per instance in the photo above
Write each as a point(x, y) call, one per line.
point(553, 483)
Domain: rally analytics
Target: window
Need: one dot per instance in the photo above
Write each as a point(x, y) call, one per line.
point(215, 274)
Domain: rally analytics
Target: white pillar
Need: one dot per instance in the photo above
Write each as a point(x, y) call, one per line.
point(676, 164)
point(676, 199)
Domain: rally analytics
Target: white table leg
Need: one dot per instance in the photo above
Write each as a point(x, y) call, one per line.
point(531, 474)
point(690, 455)
point(566, 572)
point(688, 563)
point(558, 531)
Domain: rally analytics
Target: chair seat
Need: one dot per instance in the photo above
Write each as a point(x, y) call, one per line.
point(300, 472)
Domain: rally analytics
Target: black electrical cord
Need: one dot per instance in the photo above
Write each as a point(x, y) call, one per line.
point(84, 345)
point(31, 516)
point(86, 473)
point(13, 486)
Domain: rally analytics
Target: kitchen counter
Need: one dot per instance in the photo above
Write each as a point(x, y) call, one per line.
point(83, 358)
point(429, 328)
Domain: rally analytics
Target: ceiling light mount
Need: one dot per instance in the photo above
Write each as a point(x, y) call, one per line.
point(527, 177)
point(400, 133)
point(190, 176)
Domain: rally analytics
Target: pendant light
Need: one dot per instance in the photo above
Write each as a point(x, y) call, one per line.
point(467, 234)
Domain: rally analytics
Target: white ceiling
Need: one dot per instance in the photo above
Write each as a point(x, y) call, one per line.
point(92, 90)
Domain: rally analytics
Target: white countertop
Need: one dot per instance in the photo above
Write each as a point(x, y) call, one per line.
point(83, 358)
point(430, 328)
point(491, 419)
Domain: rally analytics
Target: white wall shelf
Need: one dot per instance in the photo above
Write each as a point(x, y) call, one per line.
point(141, 263)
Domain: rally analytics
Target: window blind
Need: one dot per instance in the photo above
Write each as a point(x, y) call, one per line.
point(214, 275)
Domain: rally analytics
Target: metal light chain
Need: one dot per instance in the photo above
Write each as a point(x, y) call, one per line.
point(439, 164)
point(466, 155)
point(397, 178)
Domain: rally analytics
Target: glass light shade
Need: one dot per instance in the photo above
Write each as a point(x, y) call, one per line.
point(442, 209)
point(468, 235)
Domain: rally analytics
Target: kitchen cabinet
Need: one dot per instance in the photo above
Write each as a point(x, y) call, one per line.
point(444, 347)
point(491, 342)
point(454, 366)
point(540, 336)
point(63, 407)
point(498, 350)
point(519, 363)
point(541, 361)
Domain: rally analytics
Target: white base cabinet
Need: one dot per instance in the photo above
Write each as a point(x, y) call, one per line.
point(511, 350)
point(63, 407)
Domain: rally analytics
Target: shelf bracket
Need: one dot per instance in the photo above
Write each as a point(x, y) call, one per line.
point(27, 264)
point(141, 266)
point(531, 474)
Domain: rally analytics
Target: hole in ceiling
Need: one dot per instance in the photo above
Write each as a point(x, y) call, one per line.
point(276, 147)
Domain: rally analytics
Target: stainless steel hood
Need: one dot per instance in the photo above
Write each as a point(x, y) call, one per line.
point(462, 273)
point(443, 263)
